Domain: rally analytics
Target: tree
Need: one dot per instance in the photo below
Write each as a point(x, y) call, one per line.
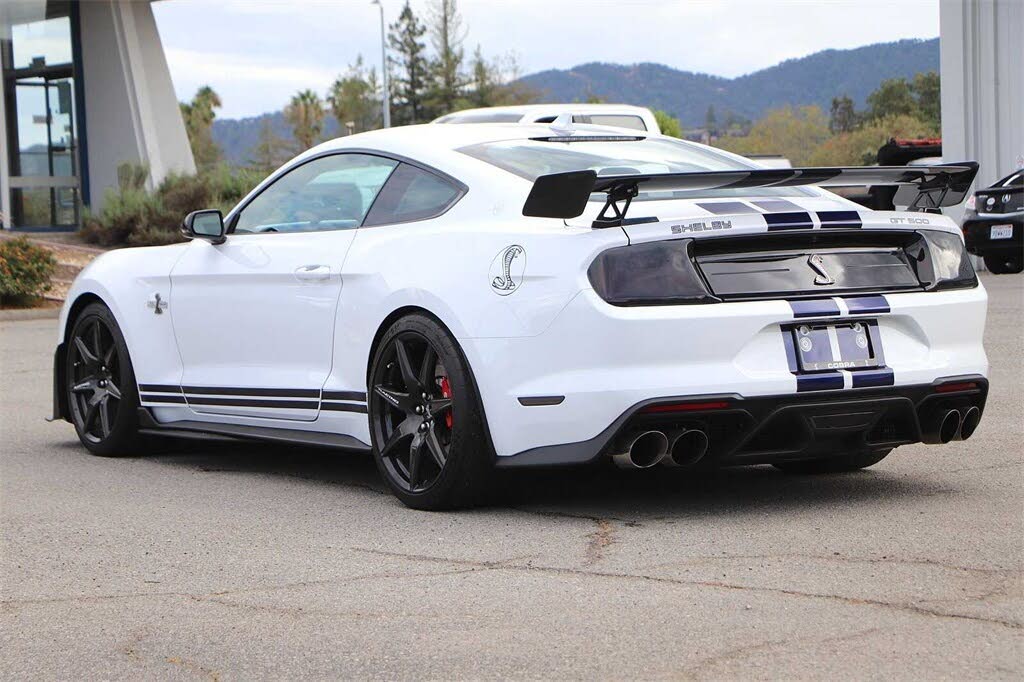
point(408, 66)
point(892, 98)
point(305, 113)
point(446, 37)
point(926, 87)
point(843, 117)
point(793, 133)
point(198, 116)
point(271, 150)
point(495, 82)
point(709, 120)
point(353, 99)
point(669, 124)
point(860, 147)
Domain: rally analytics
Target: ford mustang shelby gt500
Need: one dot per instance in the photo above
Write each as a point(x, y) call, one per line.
point(459, 298)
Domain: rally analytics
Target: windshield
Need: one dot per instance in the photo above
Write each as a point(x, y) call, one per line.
point(529, 159)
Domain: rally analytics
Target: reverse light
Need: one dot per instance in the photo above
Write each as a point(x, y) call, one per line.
point(656, 273)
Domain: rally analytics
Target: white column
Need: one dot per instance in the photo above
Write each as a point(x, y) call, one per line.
point(982, 62)
point(132, 112)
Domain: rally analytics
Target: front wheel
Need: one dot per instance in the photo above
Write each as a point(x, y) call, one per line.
point(426, 421)
point(834, 465)
point(101, 392)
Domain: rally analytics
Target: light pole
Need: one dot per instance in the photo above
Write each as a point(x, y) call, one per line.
point(386, 99)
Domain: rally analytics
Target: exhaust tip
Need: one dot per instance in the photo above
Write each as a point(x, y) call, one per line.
point(972, 417)
point(688, 448)
point(949, 427)
point(643, 450)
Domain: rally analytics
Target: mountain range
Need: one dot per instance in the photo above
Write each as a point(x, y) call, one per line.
point(814, 79)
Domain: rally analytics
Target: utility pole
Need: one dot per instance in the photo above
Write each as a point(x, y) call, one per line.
point(386, 99)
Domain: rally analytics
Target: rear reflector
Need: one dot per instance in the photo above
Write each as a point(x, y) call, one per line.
point(953, 388)
point(684, 407)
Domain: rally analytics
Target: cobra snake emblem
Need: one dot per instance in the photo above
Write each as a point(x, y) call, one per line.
point(505, 283)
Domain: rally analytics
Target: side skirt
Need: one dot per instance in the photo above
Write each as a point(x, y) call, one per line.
point(193, 429)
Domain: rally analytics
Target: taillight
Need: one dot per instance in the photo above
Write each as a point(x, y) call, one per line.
point(655, 273)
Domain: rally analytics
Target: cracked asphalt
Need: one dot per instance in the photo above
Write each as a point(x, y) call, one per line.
point(239, 561)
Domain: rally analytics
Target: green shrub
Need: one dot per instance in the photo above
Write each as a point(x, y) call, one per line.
point(133, 216)
point(25, 270)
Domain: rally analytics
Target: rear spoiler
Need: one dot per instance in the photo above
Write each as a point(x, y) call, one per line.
point(565, 195)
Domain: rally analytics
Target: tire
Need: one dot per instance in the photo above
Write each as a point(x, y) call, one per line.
point(102, 395)
point(440, 457)
point(834, 465)
point(1004, 265)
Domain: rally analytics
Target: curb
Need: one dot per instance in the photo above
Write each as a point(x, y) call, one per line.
point(16, 315)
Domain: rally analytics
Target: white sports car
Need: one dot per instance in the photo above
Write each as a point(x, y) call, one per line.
point(456, 299)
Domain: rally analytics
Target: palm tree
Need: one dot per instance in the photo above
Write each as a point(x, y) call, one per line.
point(198, 116)
point(305, 113)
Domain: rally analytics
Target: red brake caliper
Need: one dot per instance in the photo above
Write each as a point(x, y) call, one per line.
point(446, 392)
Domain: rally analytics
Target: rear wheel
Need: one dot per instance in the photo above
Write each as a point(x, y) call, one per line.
point(102, 396)
point(834, 465)
point(1004, 265)
point(426, 422)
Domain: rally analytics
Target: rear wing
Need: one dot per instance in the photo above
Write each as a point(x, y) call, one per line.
point(922, 188)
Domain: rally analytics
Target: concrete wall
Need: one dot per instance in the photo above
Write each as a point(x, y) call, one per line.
point(131, 110)
point(982, 62)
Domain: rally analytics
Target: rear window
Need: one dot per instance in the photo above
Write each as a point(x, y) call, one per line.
point(482, 117)
point(529, 159)
point(1015, 180)
point(412, 194)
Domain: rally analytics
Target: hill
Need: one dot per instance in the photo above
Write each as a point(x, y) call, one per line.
point(814, 79)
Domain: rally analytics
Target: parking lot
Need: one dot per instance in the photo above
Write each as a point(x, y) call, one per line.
point(228, 561)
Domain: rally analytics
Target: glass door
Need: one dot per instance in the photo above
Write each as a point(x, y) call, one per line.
point(42, 145)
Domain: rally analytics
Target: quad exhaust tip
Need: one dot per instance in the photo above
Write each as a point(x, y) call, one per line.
point(641, 450)
point(969, 422)
point(949, 427)
point(686, 449)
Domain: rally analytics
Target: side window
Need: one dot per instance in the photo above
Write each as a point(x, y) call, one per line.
point(329, 193)
point(412, 194)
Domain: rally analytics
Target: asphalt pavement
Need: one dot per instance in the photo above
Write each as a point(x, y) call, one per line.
point(241, 561)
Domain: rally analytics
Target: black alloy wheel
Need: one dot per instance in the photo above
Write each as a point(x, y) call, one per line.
point(414, 416)
point(425, 419)
point(101, 392)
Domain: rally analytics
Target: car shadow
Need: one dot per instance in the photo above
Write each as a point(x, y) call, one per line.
point(597, 491)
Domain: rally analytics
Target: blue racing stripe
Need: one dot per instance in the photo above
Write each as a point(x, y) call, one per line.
point(788, 221)
point(876, 377)
point(866, 305)
point(847, 219)
point(818, 307)
point(819, 382)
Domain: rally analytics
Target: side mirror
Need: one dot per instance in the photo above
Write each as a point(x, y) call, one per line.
point(207, 224)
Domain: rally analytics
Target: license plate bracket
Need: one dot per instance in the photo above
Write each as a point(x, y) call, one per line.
point(834, 345)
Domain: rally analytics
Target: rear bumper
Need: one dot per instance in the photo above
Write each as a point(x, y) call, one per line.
point(595, 362)
point(767, 429)
point(977, 235)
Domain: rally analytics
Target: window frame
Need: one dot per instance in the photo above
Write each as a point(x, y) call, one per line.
point(273, 178)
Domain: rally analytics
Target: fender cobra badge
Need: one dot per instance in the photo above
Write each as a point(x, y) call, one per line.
point(506, 273)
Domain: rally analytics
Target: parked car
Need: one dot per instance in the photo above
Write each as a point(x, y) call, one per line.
point(993, 224)
point(616, 115)
point(464, 298)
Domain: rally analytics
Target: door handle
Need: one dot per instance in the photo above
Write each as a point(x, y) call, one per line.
point(313, 273)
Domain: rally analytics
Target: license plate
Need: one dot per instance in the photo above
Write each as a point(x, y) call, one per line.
point(1001, 232)
point(833, 346)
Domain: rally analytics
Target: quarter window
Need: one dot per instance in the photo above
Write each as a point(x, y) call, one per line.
point(329, 193)
point(412, 194)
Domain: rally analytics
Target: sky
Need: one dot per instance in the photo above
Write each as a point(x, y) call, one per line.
point(257, 53)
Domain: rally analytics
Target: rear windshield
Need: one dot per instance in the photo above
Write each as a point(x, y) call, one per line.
point(529, 159)
point(482, 117)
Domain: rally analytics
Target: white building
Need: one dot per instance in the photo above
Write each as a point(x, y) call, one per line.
point(85, 88)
